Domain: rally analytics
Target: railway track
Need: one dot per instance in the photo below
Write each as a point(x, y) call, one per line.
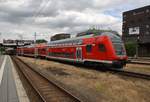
point(131, 73)
point(138, 62)
point(46, 89)
point(142, 61)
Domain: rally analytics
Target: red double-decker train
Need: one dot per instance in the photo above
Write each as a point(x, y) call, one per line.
point(104, 48)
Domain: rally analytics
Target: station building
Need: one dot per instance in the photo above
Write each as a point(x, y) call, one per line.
point(136, 28)
point(16, 43)
point(13, 44)
point(60, 36)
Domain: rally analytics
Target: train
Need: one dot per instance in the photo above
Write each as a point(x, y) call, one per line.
point(10, 51)
point(102, 48)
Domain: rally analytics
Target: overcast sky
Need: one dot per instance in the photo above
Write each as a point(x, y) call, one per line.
point(24, 17)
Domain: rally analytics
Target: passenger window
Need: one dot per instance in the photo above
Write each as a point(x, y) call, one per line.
point(102, 47)
point(88, 48)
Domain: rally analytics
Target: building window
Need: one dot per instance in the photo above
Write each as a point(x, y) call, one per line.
point(89, 48)
point(101, 48)
point(147, 33)
point(147, 26)
point(140, 20)
point(147, 10)
point(132, 21)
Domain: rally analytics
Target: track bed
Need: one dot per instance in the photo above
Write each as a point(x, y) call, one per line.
point(47, 90)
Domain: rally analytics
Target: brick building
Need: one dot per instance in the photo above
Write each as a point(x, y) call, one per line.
point(136, 28)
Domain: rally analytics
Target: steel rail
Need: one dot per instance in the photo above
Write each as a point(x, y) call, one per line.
point(135, 62)
point(131, 73)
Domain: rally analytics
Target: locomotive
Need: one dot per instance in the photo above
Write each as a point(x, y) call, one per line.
point(104, 48)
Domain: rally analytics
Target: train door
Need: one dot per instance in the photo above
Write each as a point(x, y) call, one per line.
point(79, 54)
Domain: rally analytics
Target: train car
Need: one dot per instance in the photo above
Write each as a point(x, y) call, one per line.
point(41, 50)
point(102, 48)
point(10, 51)
point(19, 51)
point(38, 50)
point(28, 50)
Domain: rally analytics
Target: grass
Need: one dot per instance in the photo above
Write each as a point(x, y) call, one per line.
point(99, 87)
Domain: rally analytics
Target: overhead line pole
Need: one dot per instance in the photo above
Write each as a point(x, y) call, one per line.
point(0, 45)
point(35, 17)
point(35, 46)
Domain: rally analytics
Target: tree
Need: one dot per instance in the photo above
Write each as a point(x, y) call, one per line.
point(131, 48)
point(41, 41)
point(1, 49)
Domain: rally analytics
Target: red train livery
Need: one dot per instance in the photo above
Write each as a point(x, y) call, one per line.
point(103, 48)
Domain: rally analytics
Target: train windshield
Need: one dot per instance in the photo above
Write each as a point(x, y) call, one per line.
point(117, 43)
point(114, 37)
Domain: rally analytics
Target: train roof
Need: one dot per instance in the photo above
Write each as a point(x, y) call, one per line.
point(34, 45)
point(95, 32)
point(78, 40)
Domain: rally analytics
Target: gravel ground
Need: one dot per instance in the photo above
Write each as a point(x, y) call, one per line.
point(96, 85)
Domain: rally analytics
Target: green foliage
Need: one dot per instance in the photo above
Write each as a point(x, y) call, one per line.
point(131, 48)
point(41, 41)
point(1, 50)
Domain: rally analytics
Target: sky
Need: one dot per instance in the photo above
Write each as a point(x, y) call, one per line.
point(20, 19)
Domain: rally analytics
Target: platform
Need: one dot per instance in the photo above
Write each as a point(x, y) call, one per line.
point(9, 89)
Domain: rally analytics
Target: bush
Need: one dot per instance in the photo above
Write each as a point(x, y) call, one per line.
point(41, 41)
point(131, 48)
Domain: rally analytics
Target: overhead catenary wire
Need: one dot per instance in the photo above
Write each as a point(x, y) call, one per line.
point(36, 15)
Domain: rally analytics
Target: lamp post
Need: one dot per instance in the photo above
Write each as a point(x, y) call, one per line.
point(35, 44)
point(0, 35)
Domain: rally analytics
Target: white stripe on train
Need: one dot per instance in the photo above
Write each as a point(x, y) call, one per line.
point(75, 60)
